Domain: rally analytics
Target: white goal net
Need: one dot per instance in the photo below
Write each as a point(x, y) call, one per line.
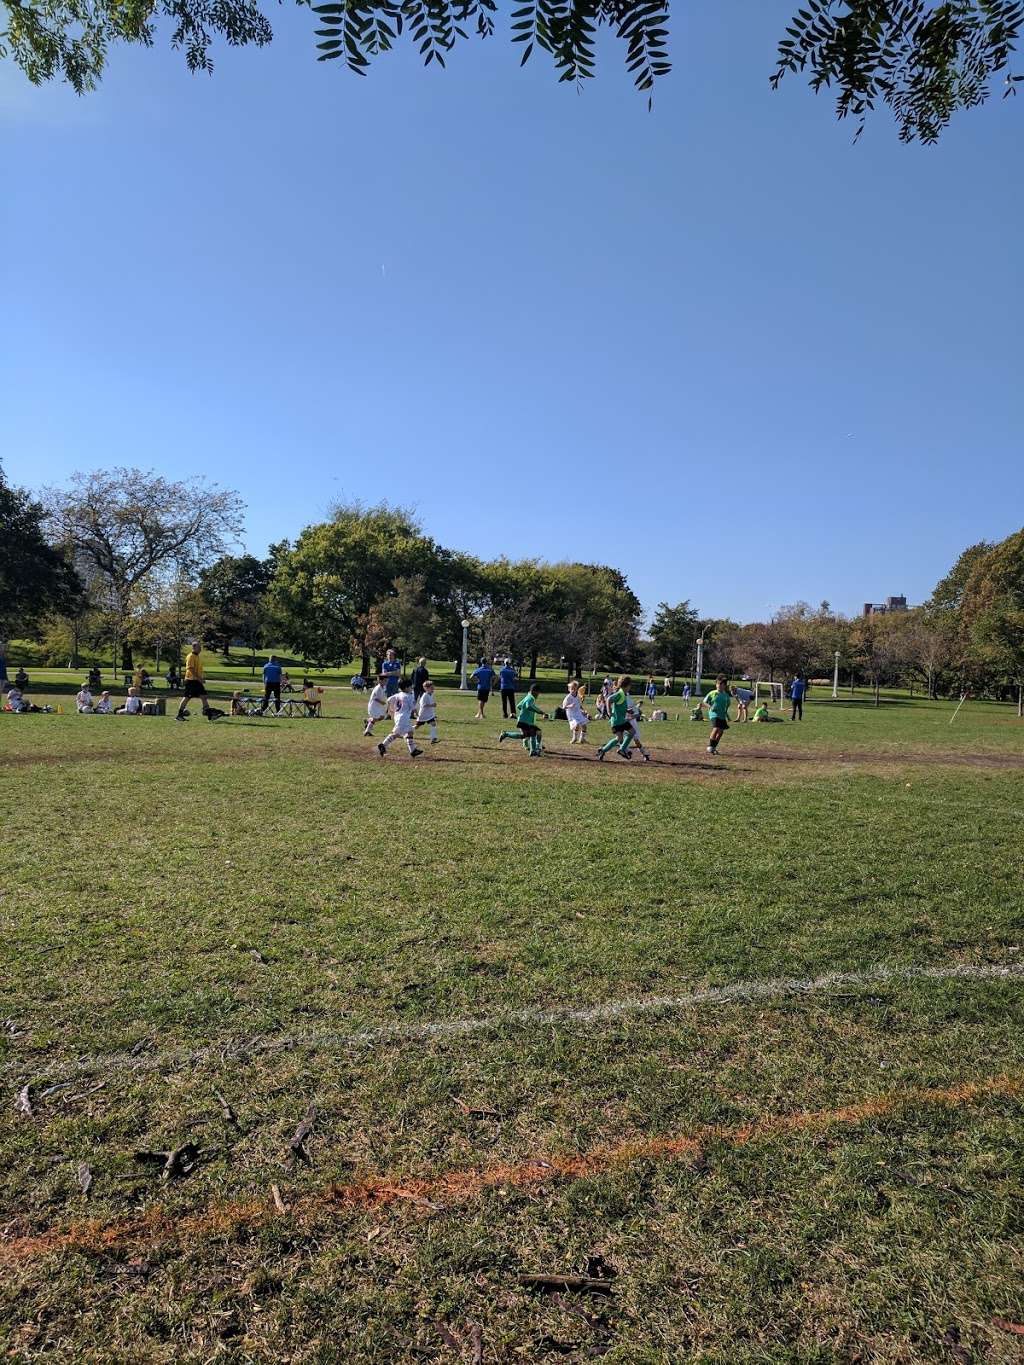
point(773, 693)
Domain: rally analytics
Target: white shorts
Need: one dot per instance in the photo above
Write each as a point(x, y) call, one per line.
point(376, 712)
point(577, 723)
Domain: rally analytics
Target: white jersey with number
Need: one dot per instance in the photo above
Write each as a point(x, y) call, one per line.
point(401, 707)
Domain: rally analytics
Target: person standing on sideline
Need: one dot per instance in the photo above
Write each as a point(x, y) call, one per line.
point(483, 677)
point(527, 714)
point(651, 690)
point(391, 667)
point(507, 682)
point(572, 705)
point(420, 677)
point(195, 685)
point(400, 708)
point(271, 683)
point(797, 688)
point(687, 693)
point(426, 710)
point(717, 702)
point(377, 706)
point(622, 726)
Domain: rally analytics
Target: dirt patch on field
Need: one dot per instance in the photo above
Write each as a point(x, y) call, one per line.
point(160, 1227)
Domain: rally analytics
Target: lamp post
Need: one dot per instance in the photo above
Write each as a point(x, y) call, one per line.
point(835, 679)
point(700, 666)
point(464, 684)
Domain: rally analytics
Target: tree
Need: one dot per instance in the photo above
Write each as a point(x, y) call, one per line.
point(999, 636)
point(325, 588)
point(408, 620)
point(36, 580)
point(924, 61)
point(133, 529)
point(674, 631)
point(235, 588)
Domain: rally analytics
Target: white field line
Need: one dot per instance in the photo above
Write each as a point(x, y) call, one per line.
point(741, 992)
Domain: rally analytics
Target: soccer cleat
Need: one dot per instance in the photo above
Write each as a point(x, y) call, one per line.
point(435, 741)
point(181, 717)
point(647, 758)
point(624, 753)
point(599, 755)
point(415, 753)
point(381, 750)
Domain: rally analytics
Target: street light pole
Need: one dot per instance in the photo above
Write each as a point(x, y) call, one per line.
point(835, 679)
point(464, 684)
point(700, 666)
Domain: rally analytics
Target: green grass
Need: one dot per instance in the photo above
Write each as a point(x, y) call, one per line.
point(190, 910)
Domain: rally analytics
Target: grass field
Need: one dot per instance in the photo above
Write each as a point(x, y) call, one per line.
point(739, 1044)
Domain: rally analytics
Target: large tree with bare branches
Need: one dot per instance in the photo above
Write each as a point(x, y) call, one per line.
point(129, 528)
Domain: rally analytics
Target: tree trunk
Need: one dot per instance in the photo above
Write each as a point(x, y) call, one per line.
point(931, 684)
point(533, 666)
point(876, 691)
point(364, 665)
point(1020, 701)
point(127, 657)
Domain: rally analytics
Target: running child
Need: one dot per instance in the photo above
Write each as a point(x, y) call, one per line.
point(635, 715)
point(401, 705)
point(622, 726)
point(377, 706)
point(426, 711)
point(572, 705)
point(717, 702)
point(527, 713)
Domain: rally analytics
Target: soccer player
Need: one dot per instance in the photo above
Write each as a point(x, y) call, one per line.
point(635, 715)
point(483, 677)
point(717, 702)
point(622, 726)
point(507, 682)
point(527, 714)
point(426, 711)
point(194, 684)
point(377, 706)
point(572, 705)
point(400, 708)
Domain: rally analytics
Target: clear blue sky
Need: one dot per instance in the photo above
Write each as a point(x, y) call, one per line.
point(512, 307)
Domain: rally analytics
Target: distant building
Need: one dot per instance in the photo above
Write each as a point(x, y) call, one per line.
point(883, 608)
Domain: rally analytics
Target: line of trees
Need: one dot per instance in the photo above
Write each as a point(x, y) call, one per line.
point(125, 561)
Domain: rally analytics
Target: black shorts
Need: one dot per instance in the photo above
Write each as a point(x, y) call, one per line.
point(719, 724)
point(194, 688)
point(482, 693)
point(528, 730)
point(621, 729)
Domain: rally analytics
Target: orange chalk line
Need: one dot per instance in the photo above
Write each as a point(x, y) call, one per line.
point(158, 1226)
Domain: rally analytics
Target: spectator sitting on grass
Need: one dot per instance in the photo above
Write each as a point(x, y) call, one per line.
point(21, 679)
point(104, 706)
point(761, 715)
point(83, 700)
point(133, 704)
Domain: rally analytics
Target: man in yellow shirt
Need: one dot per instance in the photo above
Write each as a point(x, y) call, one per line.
point(195, 686)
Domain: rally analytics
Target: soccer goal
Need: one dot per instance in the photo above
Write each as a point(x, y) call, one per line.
point(775, 693)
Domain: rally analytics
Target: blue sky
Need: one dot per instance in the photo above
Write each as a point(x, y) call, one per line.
point(717, 346)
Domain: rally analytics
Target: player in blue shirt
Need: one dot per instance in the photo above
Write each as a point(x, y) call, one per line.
point(483, 677)
point(507, 676)
point(391, 667)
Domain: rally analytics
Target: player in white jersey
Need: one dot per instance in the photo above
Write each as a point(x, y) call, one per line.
point(572, 705)
point(401, 706)
point(426, 711)
point(377, 706)
point(634, 714)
